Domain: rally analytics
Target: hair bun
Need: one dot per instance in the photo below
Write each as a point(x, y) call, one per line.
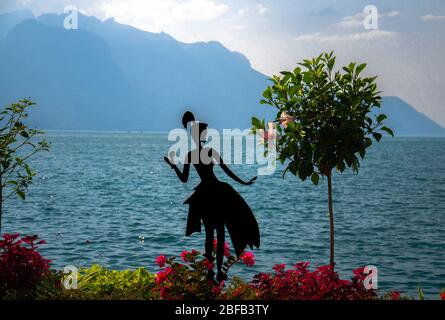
point(187, 117)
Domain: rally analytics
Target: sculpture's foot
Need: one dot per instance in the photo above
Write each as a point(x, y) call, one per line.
point(210, 275)
point(221, 276)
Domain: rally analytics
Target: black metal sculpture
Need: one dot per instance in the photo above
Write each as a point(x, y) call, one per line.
point(216, 203)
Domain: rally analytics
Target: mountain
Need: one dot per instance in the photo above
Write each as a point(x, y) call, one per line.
point(9, 20)
point(109, 76)
point(407, 121)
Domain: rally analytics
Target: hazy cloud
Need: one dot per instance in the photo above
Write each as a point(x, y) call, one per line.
point(359, 36)
point(356, 21)
point(432, 17)
point(261, 9)
point(155, 15)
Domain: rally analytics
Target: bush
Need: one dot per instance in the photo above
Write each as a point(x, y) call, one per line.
point(299, 283)
point(21, 266)
point(189, 280)
point(99, 283)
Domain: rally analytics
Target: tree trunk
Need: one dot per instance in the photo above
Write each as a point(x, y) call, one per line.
point(1, 203)
point(331, 218)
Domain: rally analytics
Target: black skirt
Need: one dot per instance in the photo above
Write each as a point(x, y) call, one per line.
point(218, 203)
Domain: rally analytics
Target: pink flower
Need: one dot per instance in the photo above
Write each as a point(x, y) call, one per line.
point(248, 258)
point(269, 135)
point(226, 249)
point(184, 255)
point(214, 244)
point(279, 267)
point(161, 276)
point(218, 289)
point(285, 119)
point(161, 260)
point(395, 295)
point(207, 264)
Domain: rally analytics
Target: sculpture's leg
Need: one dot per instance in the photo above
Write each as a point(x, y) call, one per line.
point(220, 252)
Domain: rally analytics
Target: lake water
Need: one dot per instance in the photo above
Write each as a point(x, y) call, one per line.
point(96, 193)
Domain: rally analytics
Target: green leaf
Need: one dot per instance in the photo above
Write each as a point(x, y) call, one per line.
point(315, 178)
point(360, 68)
point(377, 136)
point(420, 293)
point(381, 117)
point(268, 93)
point(256, 123)
point(24, 134)
point(21, 194)
point(387, 130)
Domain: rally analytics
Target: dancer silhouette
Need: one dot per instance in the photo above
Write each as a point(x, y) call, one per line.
point(216, 203)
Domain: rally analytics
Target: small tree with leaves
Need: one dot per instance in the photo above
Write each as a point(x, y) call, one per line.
point(326, 120)
point(18, 143)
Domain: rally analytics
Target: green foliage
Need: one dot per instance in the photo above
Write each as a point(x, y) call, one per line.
point(330, 123)
point(100, 283)
point(18, 143)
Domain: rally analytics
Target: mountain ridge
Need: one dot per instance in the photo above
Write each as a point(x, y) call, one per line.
point(109, 76)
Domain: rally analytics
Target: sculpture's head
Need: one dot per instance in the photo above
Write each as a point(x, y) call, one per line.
point(198, 129)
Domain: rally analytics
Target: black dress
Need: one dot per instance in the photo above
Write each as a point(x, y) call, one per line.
point(215, 203)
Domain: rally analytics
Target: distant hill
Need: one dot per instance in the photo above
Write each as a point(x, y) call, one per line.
point(109, 76)
point(407, 121)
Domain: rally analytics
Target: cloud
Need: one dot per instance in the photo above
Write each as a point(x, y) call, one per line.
point(261, 9)
point(239, 27)
point(432, 17)
point(356, 20)
point(155, 15)
point(242, 12)
point(371, 35)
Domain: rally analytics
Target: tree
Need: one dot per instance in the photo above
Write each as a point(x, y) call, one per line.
point(326, 120)
point(18, 143)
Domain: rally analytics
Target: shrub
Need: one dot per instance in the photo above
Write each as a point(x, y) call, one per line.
point(99, 283)
point(299, 283)
point(188, 280)
point(21, 266)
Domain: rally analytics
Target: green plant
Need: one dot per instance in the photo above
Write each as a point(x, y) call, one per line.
point(325, 118)
point(99, 283)
point(17, 144)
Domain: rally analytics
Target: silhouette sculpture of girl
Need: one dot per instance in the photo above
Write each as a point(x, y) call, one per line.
point(216, 203)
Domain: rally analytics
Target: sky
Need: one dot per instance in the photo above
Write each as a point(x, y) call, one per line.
point(406, 48)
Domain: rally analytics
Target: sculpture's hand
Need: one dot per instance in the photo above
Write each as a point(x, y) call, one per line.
point(169, 162)
point(171, 159)
point(251, 181)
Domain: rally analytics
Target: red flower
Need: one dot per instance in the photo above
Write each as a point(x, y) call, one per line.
point(248, 258)
point(442, 296)
point(226, 250)
point(207, 264)
point(395, 295)
point(218, 289)
point(279, 267)
point(162, 275)
point(161, 260)
point(184, 255)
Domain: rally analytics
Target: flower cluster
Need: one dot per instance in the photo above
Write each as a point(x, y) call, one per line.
point(189, 279)
point(299, 283)
point(21, 266)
